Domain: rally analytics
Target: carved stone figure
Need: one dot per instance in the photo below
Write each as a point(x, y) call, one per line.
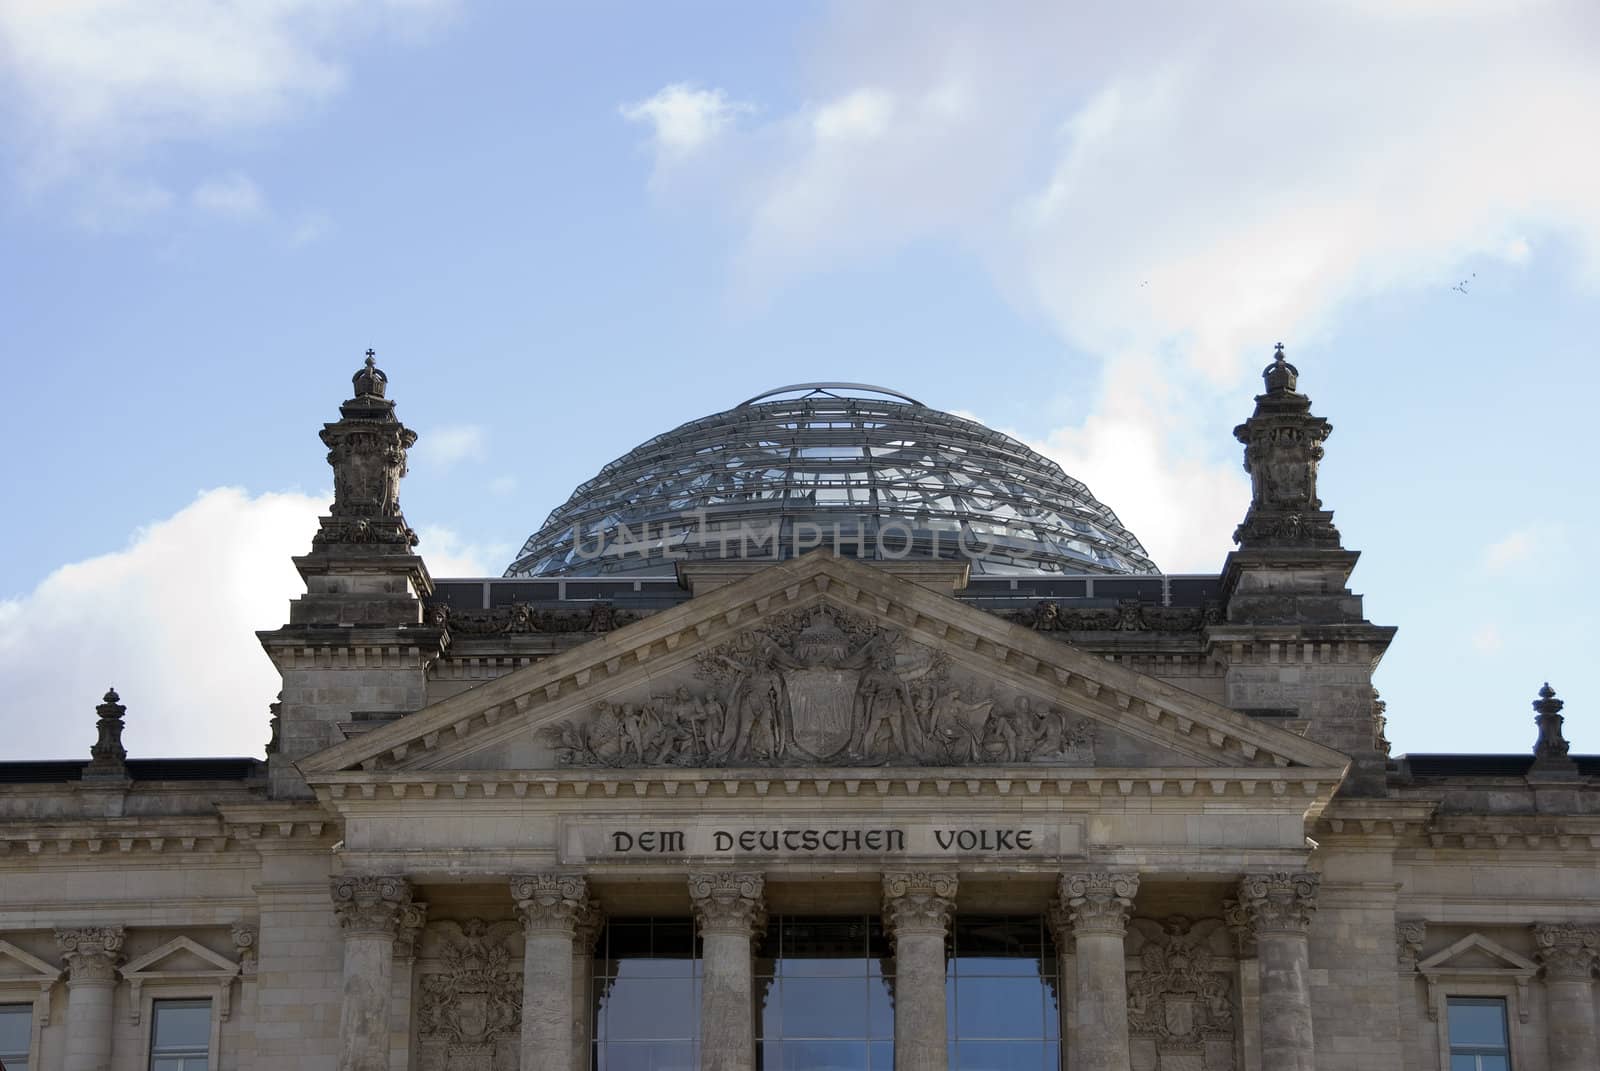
point(1180, 1003)
point(470, 1004)
point(820, 687)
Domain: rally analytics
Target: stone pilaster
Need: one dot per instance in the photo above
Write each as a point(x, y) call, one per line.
point(1244, 947)
point(551, 906)
point(729, 908)
point(369, 909)
point(413, 917)
point(917, 909)
point(91, 955)
point(1569, 954)
point(1409, 935)
point(585, 932)
point(1279, 907)
point(1097, 905)
point(1064, 985)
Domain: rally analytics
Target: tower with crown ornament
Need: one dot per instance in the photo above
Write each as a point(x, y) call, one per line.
point(1294, 639)
point(355, 652)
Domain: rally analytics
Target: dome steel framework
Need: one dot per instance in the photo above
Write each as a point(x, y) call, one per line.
point(867, 471)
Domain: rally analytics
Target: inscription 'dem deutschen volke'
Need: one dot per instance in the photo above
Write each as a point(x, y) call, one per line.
point(816, 841)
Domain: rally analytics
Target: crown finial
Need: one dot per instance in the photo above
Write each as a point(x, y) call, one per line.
point(1280, 376)
point(108, 758)
point(370, 382)
point(1552, 744)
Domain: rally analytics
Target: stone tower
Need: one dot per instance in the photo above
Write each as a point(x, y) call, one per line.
point(354, 653)
point(1294, 640)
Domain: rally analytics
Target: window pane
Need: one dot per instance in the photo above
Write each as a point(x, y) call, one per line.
point(1493, 1063)
point(1477, 1022)
point(15, 1027)
point(182, 1026)
point(1463, 1063)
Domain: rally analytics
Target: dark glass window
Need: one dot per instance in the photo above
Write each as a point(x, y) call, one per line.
point(180, 1035)
point(1478, 1038)
point(647, 996)
point(825, 995)
point(1002, 1006)
point(16, 1031)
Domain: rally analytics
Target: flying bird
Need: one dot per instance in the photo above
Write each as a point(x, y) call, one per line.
point(1461, 287)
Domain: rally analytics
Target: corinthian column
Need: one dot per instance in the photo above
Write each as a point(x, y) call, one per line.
point(585, 931)
point(1568, 953)
point(1097, 904)
point(1279, 908)
point(729, 908)
point(369, 910)
point(551, 907)
point(91, 956)
point(917, 908)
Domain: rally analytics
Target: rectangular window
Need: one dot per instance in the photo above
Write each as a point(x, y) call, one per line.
point(1000, 995)
point(16, 1030)
point(180, 1035)
point(1478, 1038)
point(647, 995)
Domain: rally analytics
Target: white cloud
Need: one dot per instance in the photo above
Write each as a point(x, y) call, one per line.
point(448, 554)
point(683, 118)
point(1487, 640)
point(308, 229)
point(1183, 187)
point(169, 621)
point(1514, 549)
point(446, 446)
point(231, 196)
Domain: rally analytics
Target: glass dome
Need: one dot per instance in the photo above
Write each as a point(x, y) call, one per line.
point(865, 471)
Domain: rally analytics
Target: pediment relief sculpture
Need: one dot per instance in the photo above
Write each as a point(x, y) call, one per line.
point(821, 686)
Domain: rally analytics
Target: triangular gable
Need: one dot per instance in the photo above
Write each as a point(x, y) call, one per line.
point(1199, 732)
point(38, 969)
point(182, 961)
point(1458, 958)
point(35, 972)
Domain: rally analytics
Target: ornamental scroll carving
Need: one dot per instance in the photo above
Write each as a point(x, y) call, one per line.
point(1098, 901)
point(91, 953)
point(918, 901)
point(469, 1009)
point(729, 902)
point(1566, 951)
point(1281, 902)
point(821, 686)
point(369, 904)
point(1180, 1000)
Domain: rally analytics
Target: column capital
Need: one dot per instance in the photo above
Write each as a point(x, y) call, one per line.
point(1409, 934)
point(1568, 951)
point(1098, 901)
point(1279, 902)
point(413, 917)
point(369, 904)
point(553, 902)
point(1237, 920)
point(91, 953)
point(729, 901)
point(918, 901)
point(586, 927)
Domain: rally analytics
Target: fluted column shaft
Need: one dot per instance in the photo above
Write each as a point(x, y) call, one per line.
point(1097, 905)
point(1568, 953)
point(1279, 908)
point(584, 934)
point(551, 907)
point(917, 909)
point(369, 910)
point(730, 910)
point(91, 956)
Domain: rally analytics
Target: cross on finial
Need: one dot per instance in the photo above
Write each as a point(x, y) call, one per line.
point(1280, 349)
point(373, 354)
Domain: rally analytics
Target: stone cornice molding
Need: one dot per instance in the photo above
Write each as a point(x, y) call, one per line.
point(918, 901)
point(1568, 951)
point(1098, 901)
point(91, 954)
point(552, 902)
point(369, 905)
point(1050, 671)
point(729, 902)
point(1281, 902)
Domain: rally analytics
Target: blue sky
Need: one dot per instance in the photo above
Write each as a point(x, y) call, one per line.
point(566, 228)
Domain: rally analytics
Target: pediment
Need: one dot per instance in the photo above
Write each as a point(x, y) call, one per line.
point(19, 965)
point(181, 956)
point(1476, 954)
point(825, 662)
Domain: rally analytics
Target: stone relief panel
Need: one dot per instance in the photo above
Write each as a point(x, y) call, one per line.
point(823, 687)
point(1181, 999)
point(469, 996)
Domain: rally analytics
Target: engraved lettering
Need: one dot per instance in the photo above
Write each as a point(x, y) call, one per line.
point(945, 837)
point(722, 841)
point(621, 842)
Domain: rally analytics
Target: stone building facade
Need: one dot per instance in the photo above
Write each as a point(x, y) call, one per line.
point(832, 810)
